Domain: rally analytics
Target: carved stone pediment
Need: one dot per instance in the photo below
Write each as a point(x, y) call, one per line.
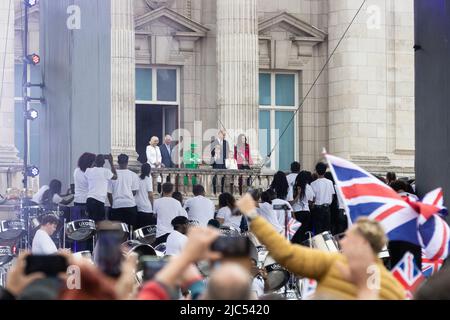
point(181, 25)
point(166, 37)
point(286, 42)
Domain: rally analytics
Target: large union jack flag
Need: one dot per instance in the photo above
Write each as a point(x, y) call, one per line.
point(365, 195)
point(408, 274)
point(417, 222)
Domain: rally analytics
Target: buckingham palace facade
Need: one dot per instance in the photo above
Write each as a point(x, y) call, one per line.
point(117, 72)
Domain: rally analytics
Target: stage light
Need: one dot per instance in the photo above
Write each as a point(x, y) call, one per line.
point(33, 59)
point(31, 3)
point(32, 114)
point(32, 171)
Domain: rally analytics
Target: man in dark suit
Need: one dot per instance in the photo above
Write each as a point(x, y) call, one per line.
point(166, 152)
point(218, 161)
point(220, 150)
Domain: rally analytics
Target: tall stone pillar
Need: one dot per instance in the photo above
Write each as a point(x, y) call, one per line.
point(357, 90)
point(123, 122)
point(237, 68)
point(9, 162)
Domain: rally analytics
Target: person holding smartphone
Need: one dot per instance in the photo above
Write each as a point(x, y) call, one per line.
point(42, 241)
point(98, 179)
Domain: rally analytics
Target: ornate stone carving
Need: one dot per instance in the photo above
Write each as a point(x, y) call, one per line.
point(287, 42)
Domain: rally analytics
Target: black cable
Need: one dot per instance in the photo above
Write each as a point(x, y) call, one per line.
point(6, 48)
point(269, 155)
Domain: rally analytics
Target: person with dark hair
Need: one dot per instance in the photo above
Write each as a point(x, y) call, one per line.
point(265, 209)
point(303, 198)
point(121, 193)
point(213, 223)
point(166, 209)
point(295, 169)
point(85, 161)
point(323, 191)
point(228, 215)
point(42, 241)
point(242, 153)
point(177, 238)
point(403, 189)
point(220, 149)
point(144, 198)
point(199, 207)
point(49, 196)
point(390, 177)
point(98, 180)
point(280, 185)
point(337, 209)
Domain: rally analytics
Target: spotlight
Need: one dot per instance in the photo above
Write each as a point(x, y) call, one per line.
point(32, 114)
point(31, 3)
point(32, 171)
point(33, 59)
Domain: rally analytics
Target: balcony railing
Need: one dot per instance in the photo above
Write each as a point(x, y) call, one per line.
point(235, 182)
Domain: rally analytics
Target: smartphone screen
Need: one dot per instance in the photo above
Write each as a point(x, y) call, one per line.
point(232, 246)
point(50, 265)
point(151, 265)
point(109, 254)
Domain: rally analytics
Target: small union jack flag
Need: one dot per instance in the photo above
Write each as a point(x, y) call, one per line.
point(309, 287)
point(408, 274)
point(293, 226)
point(430, 266)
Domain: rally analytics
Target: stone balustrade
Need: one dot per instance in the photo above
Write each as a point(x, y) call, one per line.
point(235, 182)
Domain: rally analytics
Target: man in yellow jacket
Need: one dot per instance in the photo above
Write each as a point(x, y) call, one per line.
point(339, 276)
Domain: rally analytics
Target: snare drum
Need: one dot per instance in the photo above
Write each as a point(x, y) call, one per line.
point(80, 230)
point(277, 276)
point(5, 255)
point(146, 234)
point(12, 229)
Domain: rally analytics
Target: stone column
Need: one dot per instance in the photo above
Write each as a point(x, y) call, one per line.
point(8, 152)
point(237, 69)
point(357, 89)
point(123, 122)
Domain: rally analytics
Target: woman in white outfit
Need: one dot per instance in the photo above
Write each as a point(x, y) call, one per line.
point(153, 153)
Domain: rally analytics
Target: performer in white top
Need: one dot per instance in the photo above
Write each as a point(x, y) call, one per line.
point(177, 238)
point(323, 191)
point(42, 243)
point(154, 154)
point(200, 208)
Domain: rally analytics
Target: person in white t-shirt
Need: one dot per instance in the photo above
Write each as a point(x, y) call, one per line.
point(85, 161)
point(295, 169)
point(121, 193)
point(144, 198)
point(265, 210)
point(166, 209)
point(98, 179)
point(177, 238)
point(303, 200)
point(49, 196)
point(323, 191)
point(199, 207)
point(228, 215)
point(42, 241)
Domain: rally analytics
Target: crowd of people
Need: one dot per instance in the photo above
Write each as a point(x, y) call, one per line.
point(189, 228)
